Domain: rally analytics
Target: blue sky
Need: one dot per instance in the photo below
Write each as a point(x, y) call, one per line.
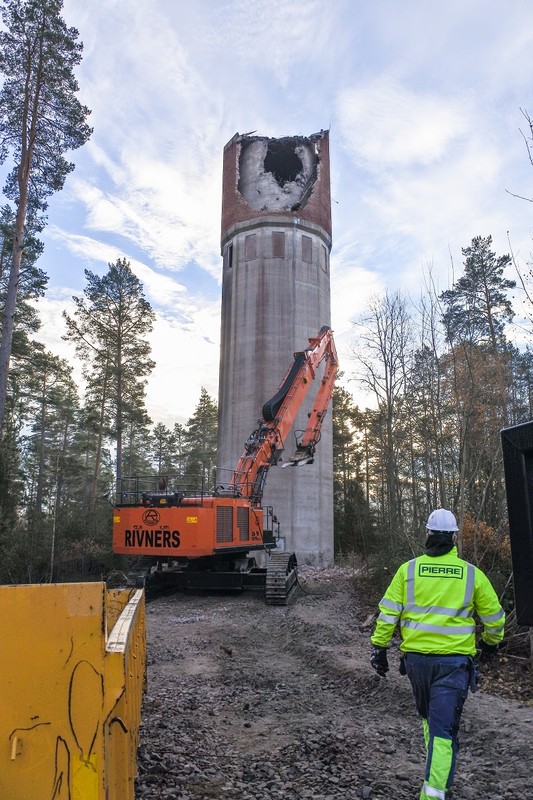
point(422, 99)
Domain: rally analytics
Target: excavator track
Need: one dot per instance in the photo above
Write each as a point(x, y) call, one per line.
point(281, 578)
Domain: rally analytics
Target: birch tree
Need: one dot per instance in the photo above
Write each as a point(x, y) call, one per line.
point(383, 348)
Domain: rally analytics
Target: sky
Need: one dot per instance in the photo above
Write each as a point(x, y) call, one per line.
point(423, 100)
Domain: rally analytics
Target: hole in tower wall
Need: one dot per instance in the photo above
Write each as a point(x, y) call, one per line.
point(282, 161)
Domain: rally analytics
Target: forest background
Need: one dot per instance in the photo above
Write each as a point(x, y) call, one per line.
point(441, 373)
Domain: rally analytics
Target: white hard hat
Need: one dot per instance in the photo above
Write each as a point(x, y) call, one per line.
point(442, 520)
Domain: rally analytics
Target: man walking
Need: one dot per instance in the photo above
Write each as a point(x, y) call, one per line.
point(434, 598)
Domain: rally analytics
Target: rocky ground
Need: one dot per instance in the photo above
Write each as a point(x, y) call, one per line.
point(250, 701)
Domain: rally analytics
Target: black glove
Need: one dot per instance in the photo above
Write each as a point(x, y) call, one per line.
point(378, 659)
point(488, 651)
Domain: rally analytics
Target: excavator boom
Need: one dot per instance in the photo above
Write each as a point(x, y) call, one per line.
point(265, 445)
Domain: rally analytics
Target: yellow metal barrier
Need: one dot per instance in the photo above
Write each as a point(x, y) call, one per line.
point(72, 673)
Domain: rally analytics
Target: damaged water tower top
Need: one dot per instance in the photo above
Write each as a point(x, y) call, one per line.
point(265, 176)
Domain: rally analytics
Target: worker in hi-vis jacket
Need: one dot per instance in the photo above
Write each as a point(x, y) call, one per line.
point(434, 598)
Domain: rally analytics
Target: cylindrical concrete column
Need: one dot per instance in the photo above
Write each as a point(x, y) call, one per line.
point(276, 242)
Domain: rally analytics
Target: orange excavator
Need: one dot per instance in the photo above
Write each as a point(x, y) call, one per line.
point(185, 537)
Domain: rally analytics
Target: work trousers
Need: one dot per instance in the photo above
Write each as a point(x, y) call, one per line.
point(440, 686)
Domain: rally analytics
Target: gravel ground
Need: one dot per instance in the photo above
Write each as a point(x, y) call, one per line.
point(247, 701)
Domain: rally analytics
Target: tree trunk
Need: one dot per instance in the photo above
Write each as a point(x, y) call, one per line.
point(41, 452)
point(99, 444)
point(31, 105)
point(8, 324)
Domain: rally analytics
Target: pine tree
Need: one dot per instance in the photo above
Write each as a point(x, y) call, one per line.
point(477, 306)
point(163, 450)
point(109, 330)
point(40, 119)
point(477, 376)
point(201, 440)
point(32, 280)
point(52, 403)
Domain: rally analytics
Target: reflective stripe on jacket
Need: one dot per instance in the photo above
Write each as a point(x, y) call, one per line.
point(434, 599)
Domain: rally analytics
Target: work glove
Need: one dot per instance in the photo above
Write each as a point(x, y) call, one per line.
point(378, 660)
point(488, 651)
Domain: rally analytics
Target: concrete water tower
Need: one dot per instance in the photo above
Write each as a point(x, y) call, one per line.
point(276, 243)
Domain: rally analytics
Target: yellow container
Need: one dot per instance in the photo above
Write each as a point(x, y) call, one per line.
point(72, 675)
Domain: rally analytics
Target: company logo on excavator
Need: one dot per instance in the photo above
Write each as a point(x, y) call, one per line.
point(151, 538)
point(151, 517)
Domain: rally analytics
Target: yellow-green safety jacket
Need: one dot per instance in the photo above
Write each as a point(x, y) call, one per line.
point(434, 599)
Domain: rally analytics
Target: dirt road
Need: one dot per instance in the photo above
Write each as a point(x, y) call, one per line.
point(250, 701)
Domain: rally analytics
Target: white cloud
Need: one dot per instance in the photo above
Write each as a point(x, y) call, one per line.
point(185, 347)
point(385, 124)
point(158, 213)
point(186, 359)
point(162, 290)
point(424, 139)
point(273, 36)
point(153, 165)
point(352, 285)
point(439, 200)
point(426, 190)
point(84, 247)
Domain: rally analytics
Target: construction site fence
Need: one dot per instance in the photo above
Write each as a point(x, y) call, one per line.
point(72, 673)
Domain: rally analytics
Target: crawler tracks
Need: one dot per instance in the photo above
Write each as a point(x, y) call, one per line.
point(281, 578)
point(278, 580)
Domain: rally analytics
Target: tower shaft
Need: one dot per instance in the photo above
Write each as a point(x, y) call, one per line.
point(276, 242)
